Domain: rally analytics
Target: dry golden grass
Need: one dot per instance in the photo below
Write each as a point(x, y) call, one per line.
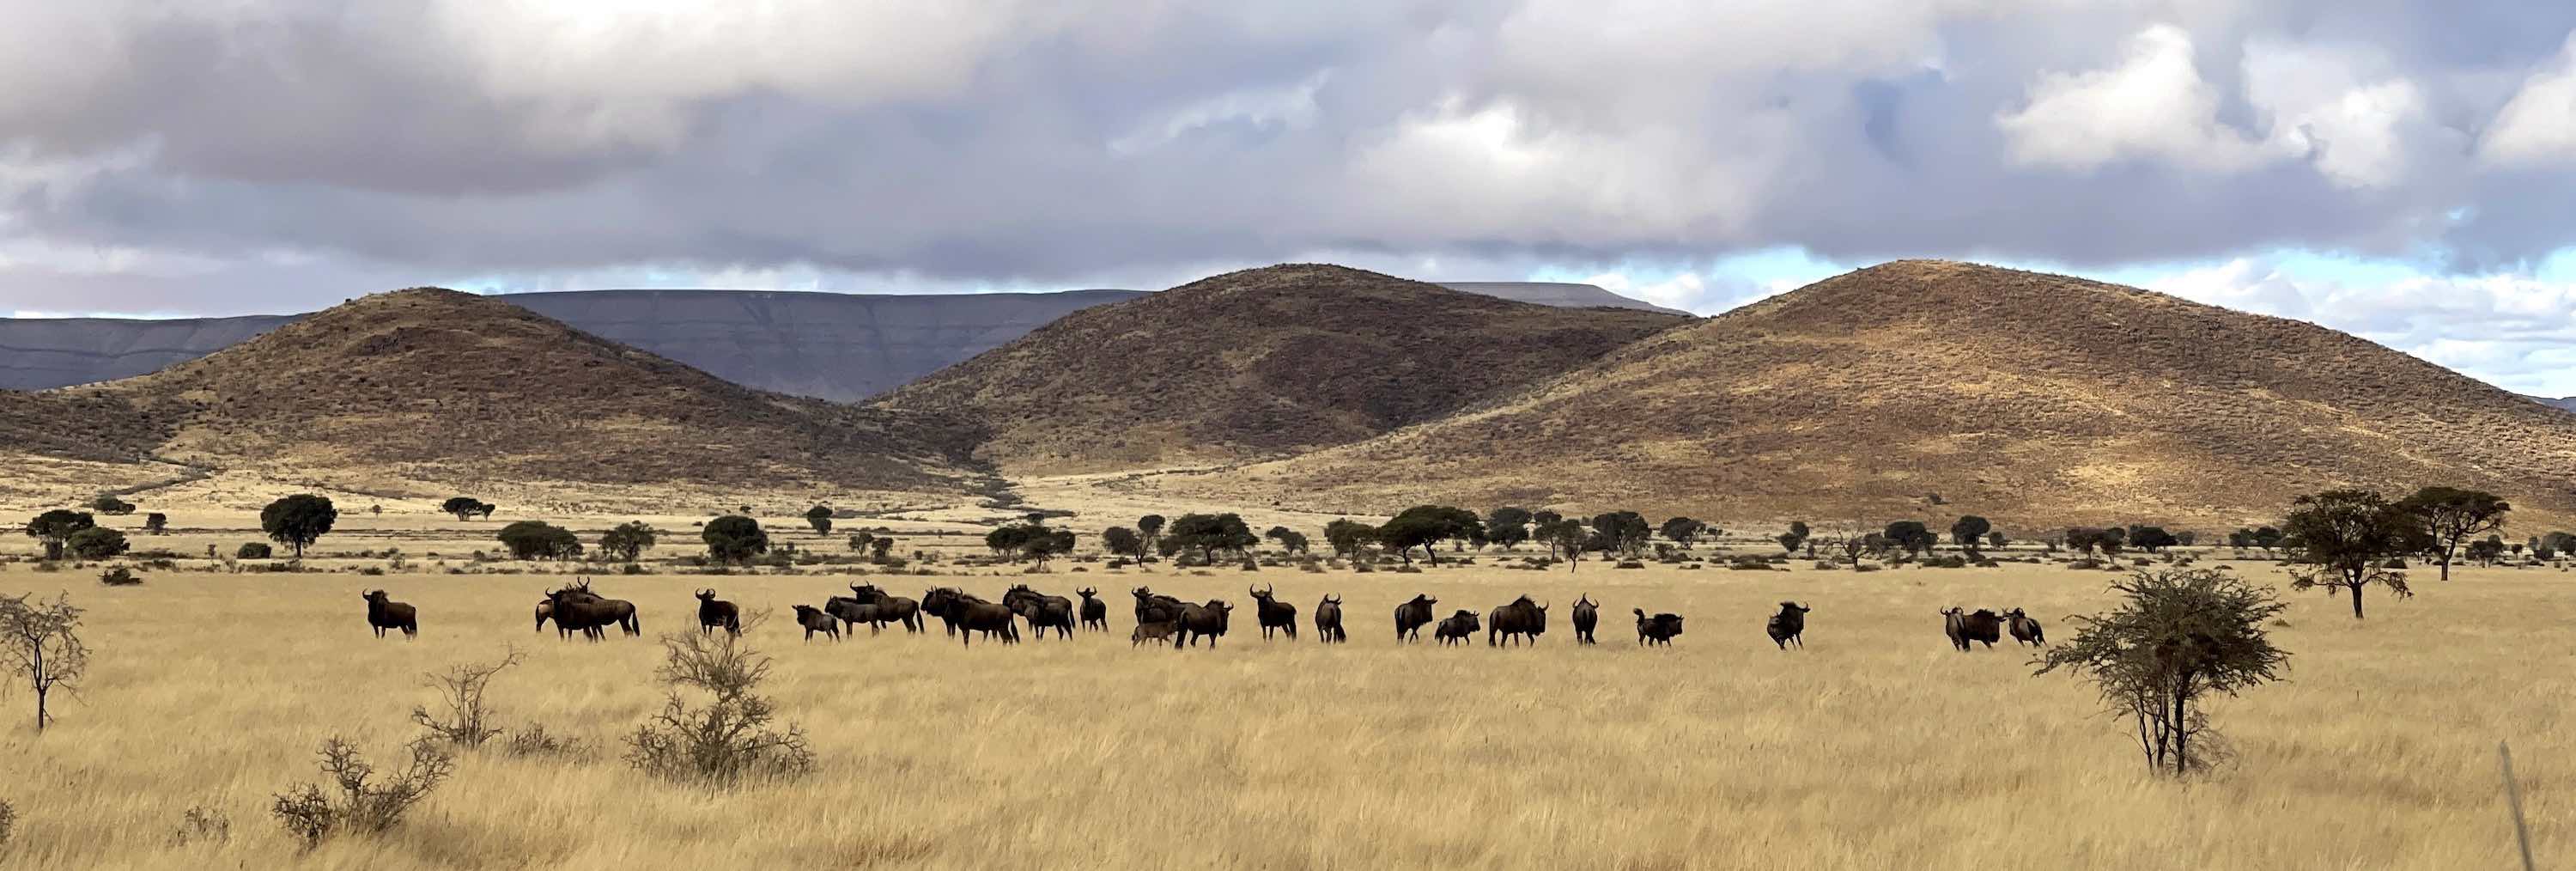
point(1877, 747)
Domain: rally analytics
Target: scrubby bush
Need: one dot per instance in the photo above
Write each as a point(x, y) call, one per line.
point(731, 738)
point(356, 801)
point(96, 543)
point(467, 719)
point(254, 550)
point(119, 577)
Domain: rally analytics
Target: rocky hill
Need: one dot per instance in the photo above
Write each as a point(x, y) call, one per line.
point(1257, 363)
point(1931, 389)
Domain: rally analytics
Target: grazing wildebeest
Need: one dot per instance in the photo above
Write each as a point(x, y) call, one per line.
point(1042, 611)
point(1152, 607)
point(1201, 621)
point(383, 614)
point(2024, 629)
point(972, 615)
point(1457, 629)
point(1154, 632)
point(1095, 613)
point(852, 612)
point(1522, 620)
point(1328, 621)
point(1411, 616)
point(814, 620)
point(1272, 613)
point(1980, 625)
point(1788, 625)
point(578, 609)
point(890, 609)
point(1658, 629)
point(1587, 614)
point(714, 613)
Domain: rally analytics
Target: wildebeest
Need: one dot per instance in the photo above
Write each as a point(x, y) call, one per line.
point(1786, 627)
point(714, 613)
point(1154, 632)
point(890, 609)
point(1658, 629)
point(2024, 629)
point(545, 612)
point(1457, 629)
point(1272, 613)
point(1152, 607)
point(384, 613)
point(1587, 614)
point(947, 620)
point(578, 609)
point(1981, 625)
point(1042, 611)
point(852, 612)
point(814, 620)
point(1095, 613)
point(1201, 621)
point(972, 615)
point(1522, 620)
point(1328, 621)
point(1411, 616)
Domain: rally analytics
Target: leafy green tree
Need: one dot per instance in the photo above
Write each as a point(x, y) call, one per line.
point(1007, 541)
point(2345, 540)
point(1122, 541)
point(1969, 532)
point(156, 523)
point(1047, 542)
point(1795, 538)
point(1211, 533)
point(1507, 526)
point(54, 528)
point(108, 504)
point(96, 543)
point(2486, 551)
point(1564, 537)
point(2151, 538)
point(1289, 540)
point(1347, 536)
point(1622, 532)
point(1151, 527)
point(1426, 525)
point(298, 521)
point(880, 548)
point(2449, 515)
point(465, 507)
point(820, 518)
point(629, 540)
point(2176, 638)
point(539, 540)
point(1911, 535)
point(859, 541)
point(734, 539)
point(1683, 530)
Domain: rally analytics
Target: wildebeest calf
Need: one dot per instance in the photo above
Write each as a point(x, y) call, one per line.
point(1980, 626)
point(1788, 625)
point(814, 620)
point(1458, 629)
point(1153, 632)
point(2024, 629)
point(1658, 629)
point(384, 613)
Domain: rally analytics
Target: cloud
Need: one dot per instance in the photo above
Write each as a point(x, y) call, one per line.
point(2516, 331)
point(2152, 106)
point(2538, 126)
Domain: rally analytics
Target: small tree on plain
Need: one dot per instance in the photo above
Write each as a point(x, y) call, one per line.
point(538, 540)
point(880, 548)
point(1151, 527)
point(1566, 537)
point(1683, 530)
point(820, 518)
point(1969, 533)
point(96, 543)
point(1121, 541)
point(1210, 534)
point(2177, 637)
point(465, 507)
point(468, 720)
point(156, 523)
point(108, 504)
point(1346, 536)
point(2345, 540)
point(40, 643)
point(298, 521)
point(734, 539)
point(1289, 540)
point(2449, 516)
point(628, 541)
point(1911, 535)
point(1507, 526)
point(1795, 538)
point(2151, 538)
point(55, 528)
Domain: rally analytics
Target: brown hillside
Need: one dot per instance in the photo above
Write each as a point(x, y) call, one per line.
point(2029, 398)
point(430, 385)
point(1258, 363)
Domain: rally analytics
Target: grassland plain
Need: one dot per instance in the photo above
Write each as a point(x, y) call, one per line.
point(1876, 747)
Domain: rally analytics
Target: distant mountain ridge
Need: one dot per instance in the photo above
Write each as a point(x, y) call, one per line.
point(842, 347)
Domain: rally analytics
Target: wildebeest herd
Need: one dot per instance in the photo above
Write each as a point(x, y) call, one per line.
point(1163, 619)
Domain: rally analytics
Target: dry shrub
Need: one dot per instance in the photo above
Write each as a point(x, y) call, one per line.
point(533, 740)
point(202, 824)
point(119, 577)
point(468, 719)
point(353, 804)
point(731, 738)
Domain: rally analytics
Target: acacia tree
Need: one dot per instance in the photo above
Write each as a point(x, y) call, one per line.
point(1347, 536)
point(820, 518)
point(2177, 637)
point(1210, 533)
point(2345, 539)
point(1289, 540)
point(2449, 515)
point(465, 507)
point(1969, 533)
point(1566, 537)
point(1507, 526)
point(298, 521)
point(734, 538)
point(1426, 525)
point(1682, 530)
point(40, 641)
point(1795, 538)
point(1122, 541)
point(1151, 527)
point(1624, 532)
point(629, 540)
point(1911, 535)
point(55, 528)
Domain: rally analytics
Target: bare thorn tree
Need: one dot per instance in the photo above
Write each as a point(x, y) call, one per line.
point(468, 719)
point(40, 640)
point(2178, 636)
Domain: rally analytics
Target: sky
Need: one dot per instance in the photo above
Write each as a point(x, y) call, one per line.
point(2400, 169)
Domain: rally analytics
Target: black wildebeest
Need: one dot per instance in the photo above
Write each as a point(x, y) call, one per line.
point(1587, 614)
point(2024, 629)
point(1154, 632)
point(852, 612)
point(1981, 625)
point(1411, 616)
point(714, 613)
point(1272, 613)
point(1201, 621)
point(384, 613)
point(890, 609)
point(1328, 621)
point(545, 612)
point(1042, 611)
point(814, 620)
point(1095, 613)
point(1786, 627)
point(1658, 629)
point(972, 615)
point(1457, 629)
point(1152, 607)
point(578, 609)
point(933, 603)
point(1522, 620)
